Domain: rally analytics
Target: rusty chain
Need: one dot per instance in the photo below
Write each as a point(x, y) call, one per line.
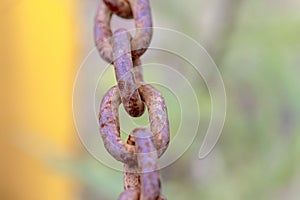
point(143, 147)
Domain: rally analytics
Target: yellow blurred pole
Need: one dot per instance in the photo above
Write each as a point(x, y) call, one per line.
point(37, 71)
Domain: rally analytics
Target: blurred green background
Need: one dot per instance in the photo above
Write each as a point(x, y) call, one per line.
point(256, 46)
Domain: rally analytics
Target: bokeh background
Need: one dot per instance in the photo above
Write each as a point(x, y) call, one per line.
point(256, 46)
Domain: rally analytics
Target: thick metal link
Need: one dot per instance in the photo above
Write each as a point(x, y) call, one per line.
point(131, 176)
point(110, 126)
point(103, 33)
point(158, 117)
point(146, 170)
point(120, 7)
point(147, 164)
point(125, 75)
point(143, 23)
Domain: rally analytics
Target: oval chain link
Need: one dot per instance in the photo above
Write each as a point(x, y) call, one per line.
point(110, 125)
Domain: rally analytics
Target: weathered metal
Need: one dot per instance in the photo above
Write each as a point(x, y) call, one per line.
point(143, 147)
point(125, 75)
point(142, 181)
point(147, 164)
point(120, 7)
point(143, 24)
point(103, 33)
point(110, 125)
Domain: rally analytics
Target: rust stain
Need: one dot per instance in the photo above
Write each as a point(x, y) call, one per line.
point(143, 147)
point(143, 22)
point(109, 122)
point(120, 7)
point(125, 78)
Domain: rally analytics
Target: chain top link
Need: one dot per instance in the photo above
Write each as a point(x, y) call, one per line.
point(143, 147)
point(143, 24)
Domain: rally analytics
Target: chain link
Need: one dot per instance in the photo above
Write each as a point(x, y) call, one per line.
point(124, 73)
point(143, 147)
point(143, 24)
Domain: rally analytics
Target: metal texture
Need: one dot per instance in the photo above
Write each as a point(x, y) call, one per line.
point(120, 7)
point(143, 180)
point(139, 154)
point(143, 24)
point(147, 164)
point(158, 117)
point(131, 176)
point(103, 33)
point(110, 128)
point(110, 125)
point(125, 75)
point(143, 147)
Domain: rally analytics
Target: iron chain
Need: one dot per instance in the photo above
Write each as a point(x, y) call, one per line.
point(143, 147)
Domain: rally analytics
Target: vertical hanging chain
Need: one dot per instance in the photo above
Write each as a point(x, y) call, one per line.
point(143, 147)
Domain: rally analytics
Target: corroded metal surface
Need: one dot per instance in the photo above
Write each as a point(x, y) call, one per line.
point(120, 7)
point(131, 176)
point(110, 125)
point(125, 75)
point(147, 164)
point(142, 179)
point(103, 33)
point(143, 147)
point(158, 117)
point(135, 153)
point(110, 128)
point(143, 23)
